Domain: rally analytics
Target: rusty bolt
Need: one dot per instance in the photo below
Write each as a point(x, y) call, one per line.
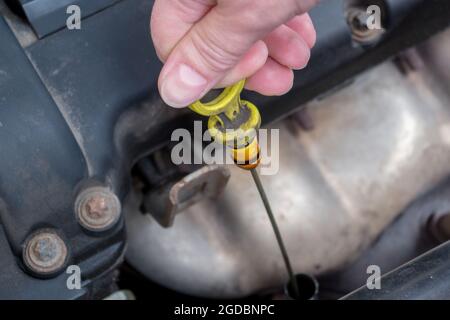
point(357, 20)
point(45, 252)
point(97, 208)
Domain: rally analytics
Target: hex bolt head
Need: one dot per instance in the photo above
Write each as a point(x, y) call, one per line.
point(45, 253)
point(97, 209)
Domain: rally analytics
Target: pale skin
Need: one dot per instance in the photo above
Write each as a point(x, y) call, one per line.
point(207, 44)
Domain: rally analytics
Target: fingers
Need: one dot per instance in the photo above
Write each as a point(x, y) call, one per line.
point(220, 44)
point(271, 80)
point(171, 20)
point(199, 61)
point(211, 49)
point(288, 48)
point(304, 26)
point(252, 61)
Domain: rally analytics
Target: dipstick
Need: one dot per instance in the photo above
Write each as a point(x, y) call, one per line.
point(276, 230)
point(232, 122)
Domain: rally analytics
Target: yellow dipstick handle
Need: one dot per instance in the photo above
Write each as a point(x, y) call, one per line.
point(234, 123)
point(228, 100)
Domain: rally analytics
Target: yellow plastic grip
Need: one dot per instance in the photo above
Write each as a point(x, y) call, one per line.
point(242, 140)
point(229, 97)
point(241, 136)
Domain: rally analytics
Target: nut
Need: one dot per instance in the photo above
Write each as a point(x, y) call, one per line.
point(97, 209)
point(45, 252)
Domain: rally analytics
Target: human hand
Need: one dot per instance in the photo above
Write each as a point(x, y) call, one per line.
point(215, 43)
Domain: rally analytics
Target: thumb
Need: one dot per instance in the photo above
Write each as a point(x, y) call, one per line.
point(214, 45)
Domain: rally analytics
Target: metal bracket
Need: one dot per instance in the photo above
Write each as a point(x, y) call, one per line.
point(208, 182)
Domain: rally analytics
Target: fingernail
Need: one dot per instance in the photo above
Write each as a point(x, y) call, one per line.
point(306, 52)
point(182, 86)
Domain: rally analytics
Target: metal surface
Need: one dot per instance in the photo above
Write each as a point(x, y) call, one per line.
point(97, 208)
point(418, 228)
point(205, 183)
point(405, 239)
point(425, 278)
point(45, 252)
point(377, 145)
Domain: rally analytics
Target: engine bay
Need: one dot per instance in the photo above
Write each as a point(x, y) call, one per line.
point(357, 173)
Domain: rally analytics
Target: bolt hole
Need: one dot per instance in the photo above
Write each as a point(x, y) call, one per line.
point(308, 287)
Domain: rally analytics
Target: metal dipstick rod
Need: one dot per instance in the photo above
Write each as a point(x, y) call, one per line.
point(276, 230)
